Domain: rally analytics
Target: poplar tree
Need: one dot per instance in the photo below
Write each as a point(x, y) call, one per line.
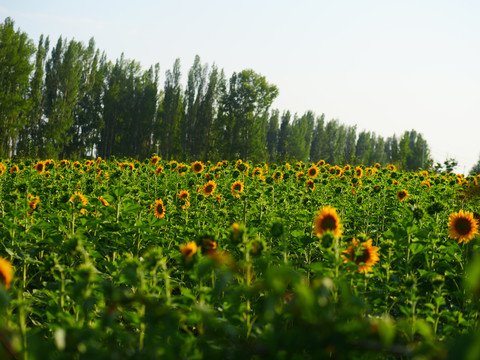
point(62, 81)
point(15, 69)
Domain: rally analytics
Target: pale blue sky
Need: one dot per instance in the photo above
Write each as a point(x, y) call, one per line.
point(386, 66)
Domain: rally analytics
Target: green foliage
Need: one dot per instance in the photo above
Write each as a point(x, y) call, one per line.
point(98, 275)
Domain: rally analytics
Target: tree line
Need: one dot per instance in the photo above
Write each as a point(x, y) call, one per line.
point(67, 100)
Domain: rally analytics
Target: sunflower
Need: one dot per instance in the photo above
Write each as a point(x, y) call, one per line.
point(182, 169)
point(402, 195)
point(313, 171)
point(103, 201)
point(277, 175)
point(209, 188)
point(159, 209)
point(321, 163)
point(183, 194)
point(363, 254)
point(462, 226)
point(6, 273)
point(425, 183)
point(300, 175)
point(159, 170)
point(173, 164)
point(327, 220)
point(237, 188)
point(14, 169)
point(33, 202)
point(391, 167)
point(188, 250)
point(218, 197)
point(197, 167)
point(78, 197)
point(358, 172)
point(154, 160)
point(40, 167)
point(208, 245)
point(310, 184)
point(257, 171)
point(347, 167)
point(338, 171)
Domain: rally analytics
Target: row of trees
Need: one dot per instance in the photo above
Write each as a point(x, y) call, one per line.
point(71, 102)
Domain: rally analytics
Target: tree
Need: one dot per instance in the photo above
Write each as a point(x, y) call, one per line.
point(284, 135)
point(30, 136)
point(170, 115)
point(243, 115)
point(85, 131)
point(15, 69)
point(475, 170)
point(350, 142)
point(318, 144)
point(62, 81)
point(272, 135)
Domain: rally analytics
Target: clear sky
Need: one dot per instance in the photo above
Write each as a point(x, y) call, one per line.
point(384, 65)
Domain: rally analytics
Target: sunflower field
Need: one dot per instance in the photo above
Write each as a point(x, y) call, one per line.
point(121, 259)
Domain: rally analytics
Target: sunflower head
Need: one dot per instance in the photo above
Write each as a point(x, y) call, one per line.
point(103, 201)
point(278, 175)
point(237, 188)
point(426, 184)
point(40, 167)
point(257, 171)
point(159, 170)
point(197, 167)
point(209, 188)
point(312, 171)
point(310, 184)
point(159, 209)
point(358, 172)
point(208, 245)
point(6, 273)
point(33, 202)
point(462, 226)
point(183, 194)
point(79, 198)
point(364, 255)
point(14, 169)
point(154, 160)
point(327, 220)
point(402, 195)
point(321, 163)
point(188, 250)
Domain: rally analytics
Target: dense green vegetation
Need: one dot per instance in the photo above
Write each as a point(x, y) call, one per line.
point(67, 100)
point(130, 260)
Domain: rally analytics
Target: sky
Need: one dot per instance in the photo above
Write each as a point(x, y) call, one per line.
point(386, 66)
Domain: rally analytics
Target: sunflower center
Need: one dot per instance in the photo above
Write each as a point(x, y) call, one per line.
point(329, 223)
point(463, 226)
point(209, 188)
point(363, 257)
